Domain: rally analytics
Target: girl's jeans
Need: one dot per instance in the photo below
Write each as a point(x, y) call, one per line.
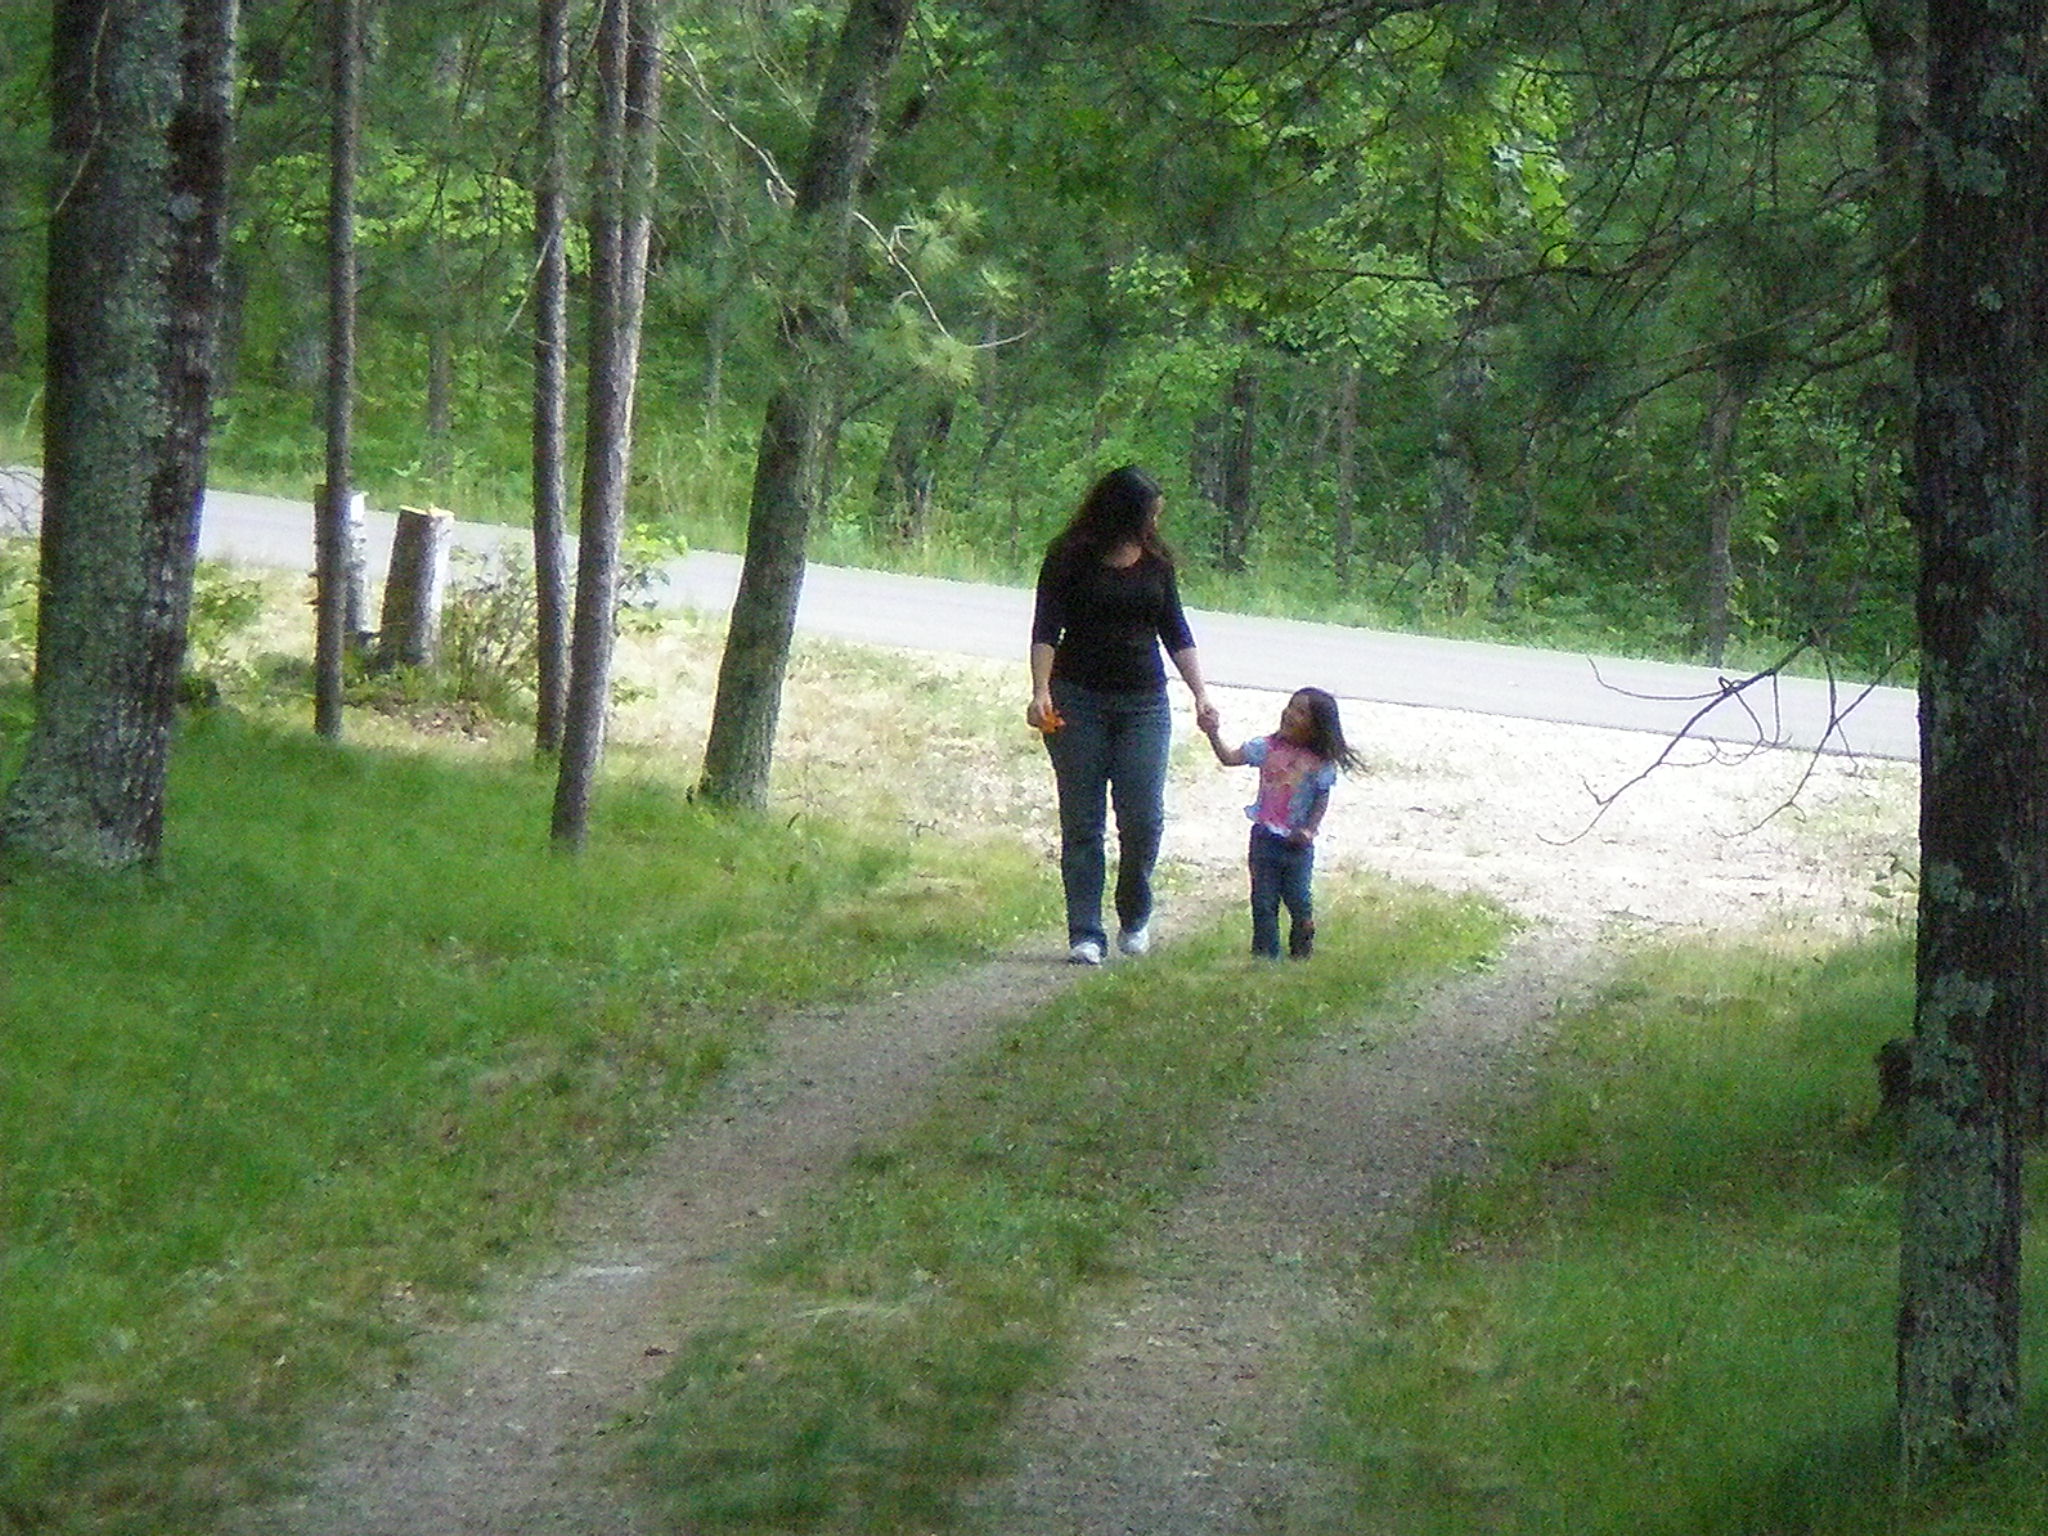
point(1281, 872)
point(1114, 742)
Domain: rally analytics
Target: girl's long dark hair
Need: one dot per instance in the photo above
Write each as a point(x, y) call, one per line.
point(1326, 731)
point(1119, 508)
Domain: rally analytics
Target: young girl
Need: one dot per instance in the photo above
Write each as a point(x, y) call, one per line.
point(1297, 765)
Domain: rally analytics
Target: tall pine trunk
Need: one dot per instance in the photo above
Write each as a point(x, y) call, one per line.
point(629, 70)
point(1724, 500)
point(1239, 503)
point(811, 339)
point(909, 475)
point(330, 534)
point(551, 384)
point(141, 103)
point(1977, 500)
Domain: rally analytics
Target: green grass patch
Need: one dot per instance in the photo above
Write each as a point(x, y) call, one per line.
point(266, 1112)
point(938, 1276)
point(1672, 1310)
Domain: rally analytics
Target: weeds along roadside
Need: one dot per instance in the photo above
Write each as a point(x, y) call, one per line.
point(866, 1373)
point(267, 1114)
point(1671, 1309)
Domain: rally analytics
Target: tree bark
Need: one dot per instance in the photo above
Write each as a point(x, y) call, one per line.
point(1983, 626)
point(330, 536)
point(141, 120)
point(1724, 498)
point(903, 489)
point(629, 68)
point(355, 566)
point(1892, 28)
point(550, 384)
point(740, 752)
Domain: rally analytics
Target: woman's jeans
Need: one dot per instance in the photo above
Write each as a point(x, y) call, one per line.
point(1281, 874)
point(1114, 743)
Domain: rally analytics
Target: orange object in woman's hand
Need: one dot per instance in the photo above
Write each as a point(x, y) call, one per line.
point(1050, 721)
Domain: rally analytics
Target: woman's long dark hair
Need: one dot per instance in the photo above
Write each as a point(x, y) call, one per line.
point(1120, 508)
point(1326, 731)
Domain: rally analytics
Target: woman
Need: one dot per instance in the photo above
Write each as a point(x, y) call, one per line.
point(1107, 601)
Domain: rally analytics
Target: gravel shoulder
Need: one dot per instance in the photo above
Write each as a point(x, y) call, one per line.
point(1184, 1408)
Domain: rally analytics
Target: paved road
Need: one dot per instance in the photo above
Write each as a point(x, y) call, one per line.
point(921, 613)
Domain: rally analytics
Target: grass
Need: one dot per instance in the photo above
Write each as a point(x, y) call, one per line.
point(938, 1276)
point(265, 1113)
point(1671, 1311)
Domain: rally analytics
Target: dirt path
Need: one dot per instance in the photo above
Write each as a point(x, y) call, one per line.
point(1186, 1411)
point(1183, 1410)
point(503, 1433)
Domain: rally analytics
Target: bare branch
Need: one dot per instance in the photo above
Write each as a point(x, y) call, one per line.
point(1724, 753)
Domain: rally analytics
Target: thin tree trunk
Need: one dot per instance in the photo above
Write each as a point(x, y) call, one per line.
point(1983, 627)
point(1893, 30)
point(141, 117)
point(903, 489)
point(629, 68)
point(1239, 506)
point(330, 547)
point(550, 384)
point(740, 752)
point(1724, 497)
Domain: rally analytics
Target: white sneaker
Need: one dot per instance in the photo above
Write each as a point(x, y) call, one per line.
point(1134, 941)
point(1085, 952)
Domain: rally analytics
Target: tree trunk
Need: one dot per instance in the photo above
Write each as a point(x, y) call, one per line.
point(1899, 56)
point(1453, 505)
point(550, 384)
point(1239, 505)
point(141, 115)
point(355, 566)
point(1983, 627)
point(330, 535)
point(1514, 569)
point(740, 751)
point(629, 69)
point(1724, 498)
point(903, 490)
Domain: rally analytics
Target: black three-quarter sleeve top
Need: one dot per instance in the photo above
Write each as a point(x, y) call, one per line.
point(1105, 624)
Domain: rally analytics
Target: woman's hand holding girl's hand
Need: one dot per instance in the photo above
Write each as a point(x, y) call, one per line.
point(1208, 719)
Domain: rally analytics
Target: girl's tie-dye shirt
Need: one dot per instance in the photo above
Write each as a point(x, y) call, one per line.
point(1294, 784)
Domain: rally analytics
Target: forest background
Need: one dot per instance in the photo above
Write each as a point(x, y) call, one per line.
point(1556, 324)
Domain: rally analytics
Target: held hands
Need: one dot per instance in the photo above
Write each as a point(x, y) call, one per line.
point(1208, 719)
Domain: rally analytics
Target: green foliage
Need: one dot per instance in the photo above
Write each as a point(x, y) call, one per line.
point(489, 640)
point(266, 1113)
point(1672, 1309)
point(864, 1379)
point(1543, 235)
point(17, 606)
point(225, 608)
